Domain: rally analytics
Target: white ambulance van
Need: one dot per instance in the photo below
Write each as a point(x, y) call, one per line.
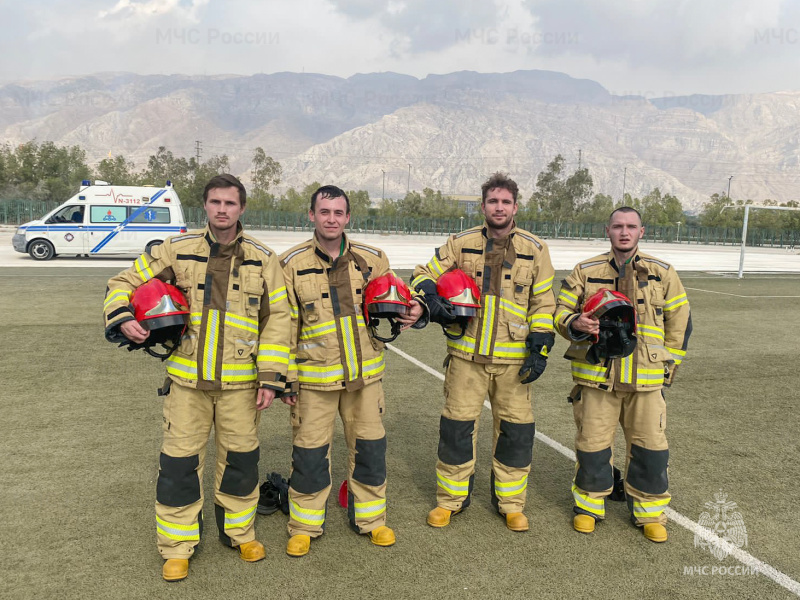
point(104, 219)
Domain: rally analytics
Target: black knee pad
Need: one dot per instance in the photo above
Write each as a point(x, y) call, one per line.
point(370, 467)
point(647, 471)
point(455, 441)
point(595, 473)
point(515, 444)
point(310, 469)
point(240, 476)
point(178, 483)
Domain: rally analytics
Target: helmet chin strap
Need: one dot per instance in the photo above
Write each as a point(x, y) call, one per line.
point(455, 336)
point(373, 324)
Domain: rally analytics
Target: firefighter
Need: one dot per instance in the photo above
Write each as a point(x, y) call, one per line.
point(229, 365)
point(336, 365)
point(613, 389)
point(503, 350)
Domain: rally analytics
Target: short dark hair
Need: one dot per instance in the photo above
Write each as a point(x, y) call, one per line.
point(225, 180)
point(502, 181)
point(626, 209)
point(329, 191)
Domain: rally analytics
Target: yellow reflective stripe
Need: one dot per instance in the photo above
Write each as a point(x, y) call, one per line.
point(675, 302)
point(306, 515)
point(329, 374)
point(651, 331)
point(595, 506)
point(278, 294)
point(210, 348)
point(581, 370)
point(568, 298)
point(626, 370)
point(182, 367)
point(489, 310)
point(649, 376)
point(649, 509)
point(514, 309)
point(465, 344)
point(510, 350)
point(365, 510)
point(677, 355)
point(176, 531)
point(457, 488)
point(545, 285)
point(434, 266)
point(313, 331)
point(350, 356)
point(237, 372)
point(143, 268)
point(373, 366)
point(566, 312)
point(116, 296)
point(273, 353)
point(419, 279)
point(292, 362)
point(240, 519)
point(293, 313)
point(511, 488)
point(541, 320)
point(196, 318)
point(239, 322)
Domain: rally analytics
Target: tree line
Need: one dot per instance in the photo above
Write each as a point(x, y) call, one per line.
point(45, 171)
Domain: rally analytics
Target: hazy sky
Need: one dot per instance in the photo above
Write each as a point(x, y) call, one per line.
point(647, 47)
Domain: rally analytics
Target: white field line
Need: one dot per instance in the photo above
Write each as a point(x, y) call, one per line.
point(742, 556)
point(736, 295)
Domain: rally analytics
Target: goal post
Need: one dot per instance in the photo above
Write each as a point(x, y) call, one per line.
point(747, 208)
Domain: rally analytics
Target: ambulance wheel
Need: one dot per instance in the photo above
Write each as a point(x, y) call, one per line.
point(41, 250)
point(151, 245)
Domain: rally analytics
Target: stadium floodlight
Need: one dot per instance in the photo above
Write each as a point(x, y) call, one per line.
point(747, 208)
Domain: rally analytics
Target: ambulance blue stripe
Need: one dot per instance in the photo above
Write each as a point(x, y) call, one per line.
point(122, 225)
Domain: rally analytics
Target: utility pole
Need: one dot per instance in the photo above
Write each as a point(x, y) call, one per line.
point(197, 148)
point(408, 183)
point(729, 187)
point(579, 158)
point(383, 190)
point(624, 177)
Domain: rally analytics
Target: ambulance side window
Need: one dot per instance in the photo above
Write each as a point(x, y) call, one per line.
point(68, 214)
point(108, 214)
point(153, 215)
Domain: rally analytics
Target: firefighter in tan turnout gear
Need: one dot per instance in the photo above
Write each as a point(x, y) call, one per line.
point(237, 340)
point(337, 366)
point(628, 389)
point(504, 349)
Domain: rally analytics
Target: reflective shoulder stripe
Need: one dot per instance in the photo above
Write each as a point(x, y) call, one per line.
point(593, 263)
point(529, 237)
point(661, 264)
point(292, 253)
point(467, 232)
point(257, 246)
point(374, 251)
point(182, 238)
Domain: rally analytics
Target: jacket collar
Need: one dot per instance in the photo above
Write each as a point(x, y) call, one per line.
point(323, 255)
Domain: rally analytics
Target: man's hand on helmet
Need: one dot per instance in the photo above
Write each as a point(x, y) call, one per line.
point(134, 332)
point(441, 310)
point(539, 344)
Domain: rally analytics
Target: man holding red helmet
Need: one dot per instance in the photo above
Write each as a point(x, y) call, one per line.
point(619, 378)
point(336, 365)
point(227, 366)
point(506, 284)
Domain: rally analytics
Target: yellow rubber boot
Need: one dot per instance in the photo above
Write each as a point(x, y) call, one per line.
point(382, 536)
point(517, 522)
point(440, 517)
point(298, 545)
point(252, 551)
point(583, 523)
point(655, 532)
point(175, 569)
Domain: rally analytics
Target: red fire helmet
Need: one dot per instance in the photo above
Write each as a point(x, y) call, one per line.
point(617, 317)
point(462, 292)
point(385, 297)
point(162, 309)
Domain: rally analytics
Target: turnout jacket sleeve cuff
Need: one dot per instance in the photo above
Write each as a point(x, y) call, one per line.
point(425, 318)
point(113, 333)
point(575, 336)
point(272, 380)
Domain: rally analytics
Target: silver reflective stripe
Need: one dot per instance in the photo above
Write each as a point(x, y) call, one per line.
point(240, 519)
point(252, 243)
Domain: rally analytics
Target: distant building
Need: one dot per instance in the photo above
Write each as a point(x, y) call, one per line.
point(470, 204)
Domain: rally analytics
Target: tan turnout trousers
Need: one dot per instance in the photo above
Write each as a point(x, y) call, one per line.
point(188, 417)
point(313, 420)
point(465, 388)
point(643, 416)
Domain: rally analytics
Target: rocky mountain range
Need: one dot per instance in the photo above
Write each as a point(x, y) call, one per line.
point(386, 132)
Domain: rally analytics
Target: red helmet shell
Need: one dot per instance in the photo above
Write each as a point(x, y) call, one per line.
point(386, 296)
point(158, 305)
point(611, 304)
point(462, 292)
